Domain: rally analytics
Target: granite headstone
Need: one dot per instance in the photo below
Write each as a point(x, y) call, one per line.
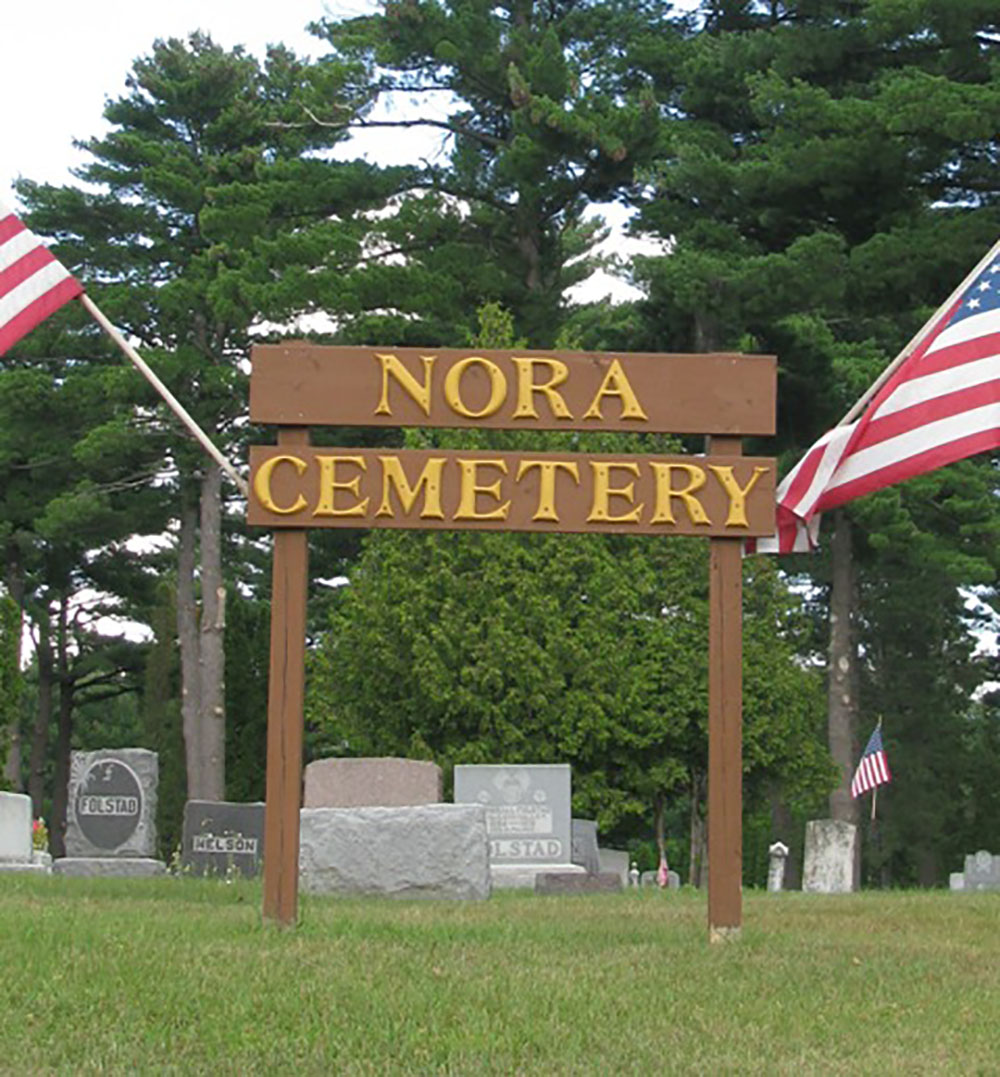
point(377, 782)
point(221, 837)
point(584, 845)
point(111, 814)
point(527, 817)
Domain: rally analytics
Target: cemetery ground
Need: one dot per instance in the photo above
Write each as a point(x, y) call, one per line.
point(177, 975)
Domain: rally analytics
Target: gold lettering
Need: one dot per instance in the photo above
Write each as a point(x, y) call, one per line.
point(616, 384)
point(470, 488)
point(452, 387)
point(421, 394)
point(527, 387)
point(430, 480)
point(547, 484)
point(329, 485)
point(262, 484)
point(604, 491)
point(737, 497)
point(663, 512)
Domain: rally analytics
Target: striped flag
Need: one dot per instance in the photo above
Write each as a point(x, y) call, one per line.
point(940, 404)
point(873, 770)
point(33, 284)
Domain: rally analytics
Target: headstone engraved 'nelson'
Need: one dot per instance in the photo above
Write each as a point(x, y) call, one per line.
point(221, 837)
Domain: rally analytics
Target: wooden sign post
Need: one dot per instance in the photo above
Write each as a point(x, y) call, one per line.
point(722, 495)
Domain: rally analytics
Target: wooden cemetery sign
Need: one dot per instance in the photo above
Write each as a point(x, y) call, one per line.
point(722, 495)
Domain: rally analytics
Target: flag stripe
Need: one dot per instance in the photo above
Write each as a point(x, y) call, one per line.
point(18, 272)
point(33, 284)
point(37, 311)
point(9, 225)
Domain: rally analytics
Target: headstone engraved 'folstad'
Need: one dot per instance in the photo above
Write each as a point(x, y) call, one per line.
point(109, 803)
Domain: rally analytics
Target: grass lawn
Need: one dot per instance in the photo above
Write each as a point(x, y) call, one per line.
point(178, 976)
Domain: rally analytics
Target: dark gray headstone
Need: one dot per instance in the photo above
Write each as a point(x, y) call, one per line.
point(221, 837)
point(559, 882)
point(527, 810)
point(111, 809)
point(585, 845)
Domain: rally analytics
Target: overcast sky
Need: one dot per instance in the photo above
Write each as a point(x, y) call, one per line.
point(63, 59)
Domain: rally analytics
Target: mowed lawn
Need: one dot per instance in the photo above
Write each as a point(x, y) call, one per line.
point(178, 976)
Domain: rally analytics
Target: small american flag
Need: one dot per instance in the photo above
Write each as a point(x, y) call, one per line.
point(873, 769)
point(33, 284)
point(941, 404)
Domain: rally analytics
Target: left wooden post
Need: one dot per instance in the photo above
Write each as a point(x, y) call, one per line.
point(286, 687)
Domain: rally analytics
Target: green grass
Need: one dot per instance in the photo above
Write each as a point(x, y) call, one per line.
point(178, 976)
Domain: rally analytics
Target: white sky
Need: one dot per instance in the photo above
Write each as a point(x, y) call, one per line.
point(63, 59)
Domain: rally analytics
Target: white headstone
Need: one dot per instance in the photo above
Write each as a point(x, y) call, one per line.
point(15, 828)
point(778, 854)
point(829, 857)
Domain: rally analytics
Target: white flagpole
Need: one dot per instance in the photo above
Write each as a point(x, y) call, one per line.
point(174, 404)
point(861, 403)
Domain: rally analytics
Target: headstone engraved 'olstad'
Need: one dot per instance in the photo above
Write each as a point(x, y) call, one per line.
point(111, 813)
point(527, 817)
point(221, 837)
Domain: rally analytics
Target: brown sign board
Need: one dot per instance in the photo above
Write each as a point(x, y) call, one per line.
point(303, 384)
point(309, 486)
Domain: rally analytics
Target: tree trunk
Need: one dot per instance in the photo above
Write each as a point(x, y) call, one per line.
point(842, 700)
point(698, 861)
point(659, 828)
point(15, 588)
point(43, 717)
point(187, 635)
point(64, 741)
point(212, 712)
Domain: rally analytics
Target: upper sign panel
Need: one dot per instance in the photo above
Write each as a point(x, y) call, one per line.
point(301, 384)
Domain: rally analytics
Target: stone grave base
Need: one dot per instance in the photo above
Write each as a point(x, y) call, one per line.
point(423, 851)
point(130, 866)
point(571, 882)
point(522, 876)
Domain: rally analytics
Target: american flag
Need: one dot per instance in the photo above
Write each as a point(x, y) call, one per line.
point(941, 404)
point(33, 284)
point(873, 770)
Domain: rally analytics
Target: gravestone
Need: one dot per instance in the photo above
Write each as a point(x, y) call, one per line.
point(111, 814)
point(422, 851)
point(616, 860)
point(562, 882)
point(584, 845)
point(777, 857)
point(384, 782)
point(829, 857)
point(221, 837)
point(982, 871)
point(527, 818)
point(17, 851)
point(652, 878)
point(956, 880)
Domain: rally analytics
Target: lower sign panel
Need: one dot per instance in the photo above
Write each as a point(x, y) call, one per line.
point(449, 489)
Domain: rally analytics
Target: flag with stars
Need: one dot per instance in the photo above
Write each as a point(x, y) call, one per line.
point(873, 769)
point(941, 404)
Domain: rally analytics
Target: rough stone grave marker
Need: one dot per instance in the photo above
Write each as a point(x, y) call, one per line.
point(222, 837)
point(584, 843)
point(829, 857)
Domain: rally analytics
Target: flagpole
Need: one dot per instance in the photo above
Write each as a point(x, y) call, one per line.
point(174, 404)
point(917, 339)
point(874, 801)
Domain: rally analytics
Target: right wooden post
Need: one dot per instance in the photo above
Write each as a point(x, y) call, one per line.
point(725, 728)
